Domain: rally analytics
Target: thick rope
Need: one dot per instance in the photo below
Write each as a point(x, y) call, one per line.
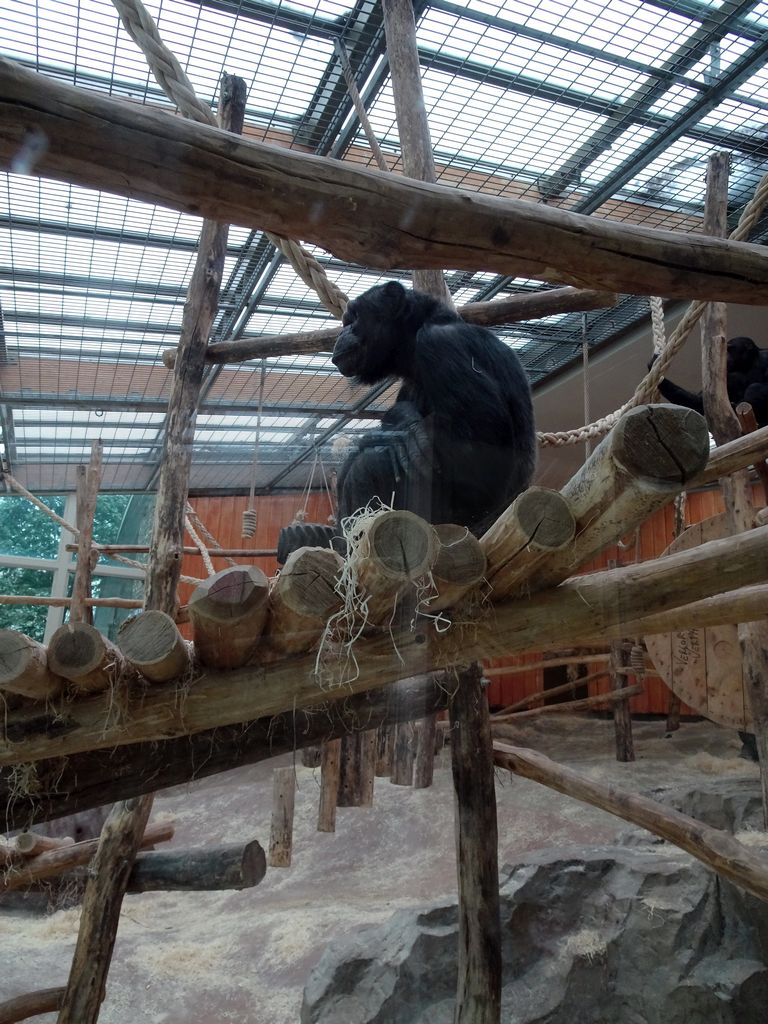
point(202, 528)
point(14, 483)
point(200, 546)
point(647, 388)
point(172, 79)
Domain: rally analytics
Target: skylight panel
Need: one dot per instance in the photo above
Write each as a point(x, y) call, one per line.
point(618, 152)
point(677, 173)
point(718, 59)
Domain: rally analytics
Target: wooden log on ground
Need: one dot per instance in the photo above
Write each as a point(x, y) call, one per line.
point(31, 1004)
point(87, 660)
point(24, 667)
point(302, 599)
point(361, 215)
point(460, 565)
point(538, 523)
point(237, 866)
point(281, 827)
point(28, 844)
point(728, 458)
point(478, 997)
point(357, 756)
point(329, 786)
point(596, 606)
point(403, 754)
point(152, 643)
point(67, 785)
point(716, 849)
point(649, 456)
point(228, 612)
point(56, 862)
point(391, 551)
point(505, 310)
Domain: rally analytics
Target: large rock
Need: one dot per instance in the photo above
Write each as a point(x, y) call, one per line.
point(610, 935)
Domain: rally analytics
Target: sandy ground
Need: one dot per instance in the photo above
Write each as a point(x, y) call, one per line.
point(244, 956)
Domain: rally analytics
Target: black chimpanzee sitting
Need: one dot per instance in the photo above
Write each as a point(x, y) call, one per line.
point(459, 443)
point(747, 368)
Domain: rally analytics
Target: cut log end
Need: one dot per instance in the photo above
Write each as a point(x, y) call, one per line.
point(23, 667)
point(460, 558)
point(402, 544)
point(663, 443)
point(230, 592)
point(307, 582)
point(152, 643)
point(545, 518)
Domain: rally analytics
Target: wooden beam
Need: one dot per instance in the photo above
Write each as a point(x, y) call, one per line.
point(585, 607)
point(234, 866)
point(716, 849)
point(728, 458)
point(31, 1004)
point(104, 776)
point(363, 216)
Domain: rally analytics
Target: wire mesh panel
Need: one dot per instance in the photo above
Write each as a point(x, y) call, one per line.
point(608, 107)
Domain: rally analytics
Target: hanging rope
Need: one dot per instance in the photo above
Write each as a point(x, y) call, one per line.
point(172, 79)
point(249, 516)
point(648, 387)
point(200, 546)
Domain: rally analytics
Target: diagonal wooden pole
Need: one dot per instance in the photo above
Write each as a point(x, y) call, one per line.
point(124, 828)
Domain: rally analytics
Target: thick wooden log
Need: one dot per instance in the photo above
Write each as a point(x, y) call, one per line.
point(392, 550)
point(152, 643)
point(87, 660)
point(508, 309)
point(538, 523)
point(745, 605)
point(357, 761)
point(364, 216)
point(65, 786)
point(646, 460)
point(57, 861)
point(478, 997)
point(597, 606)
point(460, 565)
point(716, 849)
point(238, 866)
point(31, 1004)
point(28, 844)
point(311, 756)
point(281, 827)
point(24, 667)
point(728, 458)
point(301, 600)
point(228, 612)
point(329, 786)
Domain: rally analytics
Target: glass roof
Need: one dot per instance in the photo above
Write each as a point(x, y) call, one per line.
point(608, 107)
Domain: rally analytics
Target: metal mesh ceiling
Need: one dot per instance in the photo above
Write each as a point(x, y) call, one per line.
point(609, 107)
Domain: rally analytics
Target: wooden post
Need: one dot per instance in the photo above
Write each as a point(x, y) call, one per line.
point(411, 115)
point(737, 490)
point(748, 423)
point(152, 643)
point(281, 832)
point(79, 653)
point(123, 829)
point(329, 786)
point(478, 997)
point(228, 612)
point(403, 754)
point(311, 757)
point(622, 717)
point(424, 759)
point(88, 482)
point(24, 667)
point(356, 769)
point(385, 738)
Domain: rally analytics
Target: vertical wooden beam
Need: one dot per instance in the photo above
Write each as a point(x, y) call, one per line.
point(356, 769)
point(737, 490)
point(122, 832)
point(622, 718)
point(478, 996)
point(403, 754)
point(424, 761)
point(281, 831)
point(329, 786)
point(411, 114)
point(88, 483)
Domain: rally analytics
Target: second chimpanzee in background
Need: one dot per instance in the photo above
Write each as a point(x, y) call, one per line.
point(459, 442)
point(747, 368)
